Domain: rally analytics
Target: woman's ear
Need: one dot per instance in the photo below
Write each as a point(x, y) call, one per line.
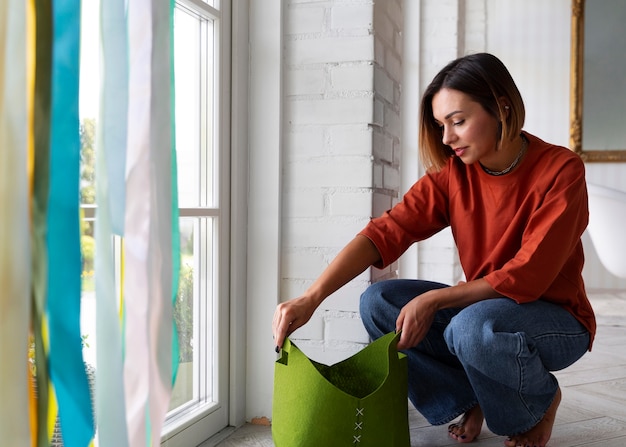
point(505, 108)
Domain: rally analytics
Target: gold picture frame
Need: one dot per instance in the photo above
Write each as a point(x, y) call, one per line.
point(576, 93)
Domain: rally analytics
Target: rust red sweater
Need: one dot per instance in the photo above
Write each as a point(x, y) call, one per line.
point(521, 231)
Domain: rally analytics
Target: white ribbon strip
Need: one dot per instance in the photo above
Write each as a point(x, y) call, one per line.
point(110, 163)
point(148, 231)
point(14, 230)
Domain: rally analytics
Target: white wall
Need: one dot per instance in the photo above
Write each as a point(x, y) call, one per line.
point(333, 164)
point(263, 210)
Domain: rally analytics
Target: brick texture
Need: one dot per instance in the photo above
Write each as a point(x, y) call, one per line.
point(341, 160)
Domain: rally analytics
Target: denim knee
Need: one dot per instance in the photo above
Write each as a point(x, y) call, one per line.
point(366, 308)
point(382, 302)
point(463, 334)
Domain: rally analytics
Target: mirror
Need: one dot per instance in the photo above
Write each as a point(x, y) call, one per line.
point(598, 80)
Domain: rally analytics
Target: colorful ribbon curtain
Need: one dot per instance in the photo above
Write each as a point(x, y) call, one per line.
point(136, 167)
point(40, 253)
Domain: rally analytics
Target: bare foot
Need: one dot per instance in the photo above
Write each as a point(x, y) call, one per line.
point(468, 428)
point(539, 435)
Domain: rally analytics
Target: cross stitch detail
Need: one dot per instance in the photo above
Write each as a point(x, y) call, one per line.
point(358, 425)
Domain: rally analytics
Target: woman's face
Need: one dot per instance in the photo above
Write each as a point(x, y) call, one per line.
point(467, 128)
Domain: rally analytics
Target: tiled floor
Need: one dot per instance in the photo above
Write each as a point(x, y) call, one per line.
point(592, 412)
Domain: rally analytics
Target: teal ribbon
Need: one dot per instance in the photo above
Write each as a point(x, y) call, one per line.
point(166, 235)
point(67, 369)
point(175, 212)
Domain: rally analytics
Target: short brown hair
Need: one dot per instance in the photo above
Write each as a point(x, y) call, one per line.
point(484, 78)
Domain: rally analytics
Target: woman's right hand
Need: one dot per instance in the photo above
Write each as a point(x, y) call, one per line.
point(355, 257)
point(289, 316)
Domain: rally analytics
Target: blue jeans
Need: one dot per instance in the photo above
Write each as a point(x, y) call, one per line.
point(495, 353)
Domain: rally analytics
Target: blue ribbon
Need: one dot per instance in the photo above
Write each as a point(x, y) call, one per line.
point(67, 369)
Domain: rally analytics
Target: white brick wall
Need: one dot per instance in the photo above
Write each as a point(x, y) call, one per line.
point(341, 151)
point(388, 24)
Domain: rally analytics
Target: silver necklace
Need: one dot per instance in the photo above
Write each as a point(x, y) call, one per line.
point(512, 165)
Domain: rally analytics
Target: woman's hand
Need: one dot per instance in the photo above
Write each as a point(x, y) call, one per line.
point(289, 316)
point(355, 257)
point(418, 315)
point(415, 319)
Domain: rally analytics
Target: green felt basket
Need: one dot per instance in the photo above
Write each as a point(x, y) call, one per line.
point(361, 401)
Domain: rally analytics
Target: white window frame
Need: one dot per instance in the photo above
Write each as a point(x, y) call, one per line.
point(198, 423)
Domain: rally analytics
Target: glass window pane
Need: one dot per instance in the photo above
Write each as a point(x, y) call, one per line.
point(188, 106)
point(184, 391)
point(194, 383)
point(214, 3)
point(211, 116)
point(88, 292)
point(193, 68)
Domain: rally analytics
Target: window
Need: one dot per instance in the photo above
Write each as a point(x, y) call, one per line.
point(199, 403)
point(200, 392)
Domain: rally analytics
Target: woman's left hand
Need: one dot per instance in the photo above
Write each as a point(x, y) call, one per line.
point(418, 315)
point(415, 319)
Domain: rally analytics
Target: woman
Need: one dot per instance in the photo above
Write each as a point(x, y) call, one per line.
point(517, 207)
